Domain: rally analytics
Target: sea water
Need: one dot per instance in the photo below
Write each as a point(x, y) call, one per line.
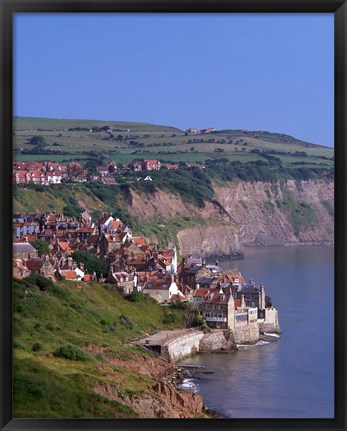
point(294, 376)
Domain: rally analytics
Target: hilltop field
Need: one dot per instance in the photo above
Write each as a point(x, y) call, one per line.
point(124, 142)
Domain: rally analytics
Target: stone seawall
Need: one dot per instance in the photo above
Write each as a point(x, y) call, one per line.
point(217, 341)
point(182, 346)
point(176, 345)
point(247, 334)
point(271, 323)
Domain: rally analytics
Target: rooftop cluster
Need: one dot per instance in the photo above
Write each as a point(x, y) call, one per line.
point(45, 173)
point(77, 249)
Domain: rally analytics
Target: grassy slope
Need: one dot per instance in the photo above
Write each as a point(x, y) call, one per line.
point(82, 315)
point(166, 232)
point(55, 198)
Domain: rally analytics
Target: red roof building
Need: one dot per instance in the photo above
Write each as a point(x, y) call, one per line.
point(151, 165)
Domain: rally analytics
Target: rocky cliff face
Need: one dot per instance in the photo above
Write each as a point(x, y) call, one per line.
point(287, 213)
point(161, 400)
point(244, 213)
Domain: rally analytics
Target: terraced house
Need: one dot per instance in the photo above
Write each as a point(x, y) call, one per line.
point(218, 309)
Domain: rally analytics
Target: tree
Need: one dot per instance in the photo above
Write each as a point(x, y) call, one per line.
point(37, 140)
point(96, 214)
point(92, 164)
point(91, 263)
point(71, 211)
point(41, 246)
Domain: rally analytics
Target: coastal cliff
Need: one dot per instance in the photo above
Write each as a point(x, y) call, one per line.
point(162, 400)
point(238, 214)
point(245, 214)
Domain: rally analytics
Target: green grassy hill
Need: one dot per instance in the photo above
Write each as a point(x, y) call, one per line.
point(93, 325)
point(57, 199)
point(73, 139)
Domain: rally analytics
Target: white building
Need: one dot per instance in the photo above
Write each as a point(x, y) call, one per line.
point(53, 177)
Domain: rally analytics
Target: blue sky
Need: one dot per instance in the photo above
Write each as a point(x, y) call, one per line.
point(243, 71)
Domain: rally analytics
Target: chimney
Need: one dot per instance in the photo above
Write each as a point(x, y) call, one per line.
point(262, 301)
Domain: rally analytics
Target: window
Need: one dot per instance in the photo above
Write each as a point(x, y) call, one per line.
point(207, 306)
point(235, 295)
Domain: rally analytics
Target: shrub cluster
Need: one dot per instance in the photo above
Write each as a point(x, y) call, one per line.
point(36, 347)
point(41, 282)
point(136, 297)
point(169, 318)
point(178, 305)
point(69, 351)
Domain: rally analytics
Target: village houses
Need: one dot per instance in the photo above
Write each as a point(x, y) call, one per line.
point(222, 297)
point(46, 173)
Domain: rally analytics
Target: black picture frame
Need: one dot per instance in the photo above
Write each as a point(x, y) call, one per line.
point(339, 8)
